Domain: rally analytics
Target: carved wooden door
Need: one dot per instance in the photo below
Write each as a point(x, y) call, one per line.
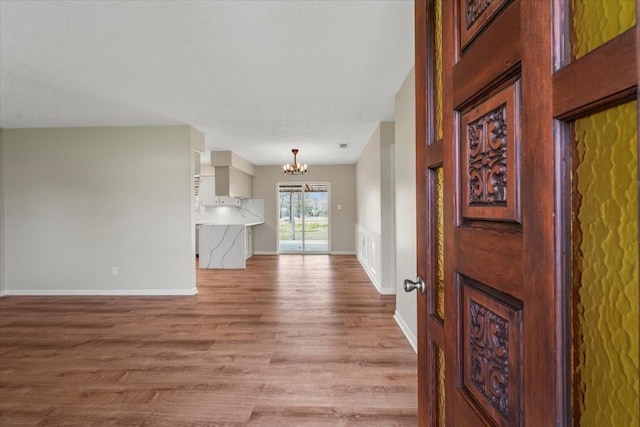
point(505, 90)
point(497, 98)
point(473, 176)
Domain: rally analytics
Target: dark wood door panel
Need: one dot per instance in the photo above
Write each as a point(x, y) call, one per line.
point(470, 414)
point(542, 402)
point(493, 57)
point(617, 79)
point(434, 154)
point(491, 354)
point(510, 93)
point(491, 257)
point(497, 159)
point(490, 157)
point(487, 249)
point(475, 15)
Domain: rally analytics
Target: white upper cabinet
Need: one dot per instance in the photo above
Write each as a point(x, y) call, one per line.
point(207, 191)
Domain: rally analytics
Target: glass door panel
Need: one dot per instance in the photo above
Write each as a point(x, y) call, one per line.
point(316, 218)
point(303, 218)
point(290, 230)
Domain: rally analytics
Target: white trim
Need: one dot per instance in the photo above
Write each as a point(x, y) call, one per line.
point(100, 292)
point(368, 252)
point(305, 253)
point(407, 332)
point(383, 291)
point(363, 263)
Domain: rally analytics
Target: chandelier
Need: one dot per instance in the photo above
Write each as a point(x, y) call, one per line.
point(294, 168)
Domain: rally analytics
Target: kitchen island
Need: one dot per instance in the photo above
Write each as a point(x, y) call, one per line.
point(225, 234)
point(224, 245)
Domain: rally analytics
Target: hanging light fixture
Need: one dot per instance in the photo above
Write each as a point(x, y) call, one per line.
point(294, 168)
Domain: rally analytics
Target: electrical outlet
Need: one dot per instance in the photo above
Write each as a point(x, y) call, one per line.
point(114, 271)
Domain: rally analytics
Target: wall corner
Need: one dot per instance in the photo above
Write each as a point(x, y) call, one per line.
point(2, 216)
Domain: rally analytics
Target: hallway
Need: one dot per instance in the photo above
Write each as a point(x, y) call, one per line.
point(290, 341)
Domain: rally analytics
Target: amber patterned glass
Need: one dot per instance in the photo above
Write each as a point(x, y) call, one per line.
point(440, 388)
point(437, 54)
point(439, 241)
point(595, 22)
point(604, 232)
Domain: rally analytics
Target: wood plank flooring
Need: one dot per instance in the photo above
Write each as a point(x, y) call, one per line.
point(290, 341)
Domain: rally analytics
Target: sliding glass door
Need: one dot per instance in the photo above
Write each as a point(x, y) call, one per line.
point(303, 218)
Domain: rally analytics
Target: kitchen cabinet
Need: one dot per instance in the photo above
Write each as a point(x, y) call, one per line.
point(249, 242)
point(229, 201)
point(207, 191)
point(234, 174)
point(197, 232)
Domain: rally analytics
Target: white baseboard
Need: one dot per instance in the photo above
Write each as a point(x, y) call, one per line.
point(369, 254)
point(372, 277)
point(100, 292)
point(407, 332)
point(330, 253)
point(374, 281)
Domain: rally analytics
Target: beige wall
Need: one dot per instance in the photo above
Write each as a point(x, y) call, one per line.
point(79, 201)
point(375, 227)
point(368, 181)
point(388, 204)
point(405, 193)
point(343, 193)
point(2, 269)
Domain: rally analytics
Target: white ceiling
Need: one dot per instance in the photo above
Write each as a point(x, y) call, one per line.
point(257, 77)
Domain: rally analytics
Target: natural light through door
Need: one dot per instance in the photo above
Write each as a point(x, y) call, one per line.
point(303, 218)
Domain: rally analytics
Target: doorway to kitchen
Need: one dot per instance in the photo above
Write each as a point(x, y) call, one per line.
point(303, 218)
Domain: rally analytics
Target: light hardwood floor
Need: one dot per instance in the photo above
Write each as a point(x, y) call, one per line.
point(290, 341)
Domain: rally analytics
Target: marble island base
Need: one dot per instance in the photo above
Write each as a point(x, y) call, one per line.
point(222, 246)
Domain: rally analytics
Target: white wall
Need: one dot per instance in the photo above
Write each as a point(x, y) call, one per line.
point(79, 201)
point(2, 269)
point(405, 205)
point(197, 149)
point(375, 208)
point(388, 205)
point(368, 182)
point(343, 193)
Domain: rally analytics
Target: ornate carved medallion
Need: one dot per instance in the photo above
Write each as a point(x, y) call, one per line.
point(491, 357)
point(490, 141)
point(489, 353)
point(474, 9)
point(487, 145)
point(476, 14)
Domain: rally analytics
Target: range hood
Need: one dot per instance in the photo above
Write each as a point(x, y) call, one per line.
point(234, 174)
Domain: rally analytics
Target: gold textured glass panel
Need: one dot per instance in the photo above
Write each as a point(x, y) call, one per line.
point(604, 232)
point(595, 22)
point(439, 241)
point(437, 60)
point(440, 388)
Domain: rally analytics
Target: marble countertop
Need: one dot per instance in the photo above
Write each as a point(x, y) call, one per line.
point(226, 223)
point(251, 212)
